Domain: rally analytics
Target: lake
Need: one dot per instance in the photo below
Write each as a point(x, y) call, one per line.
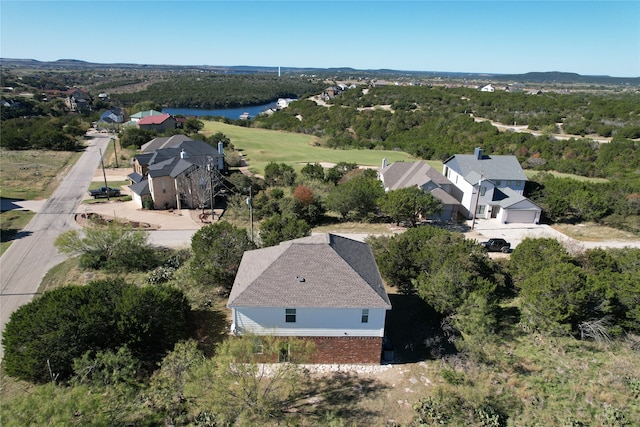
point(231, 113)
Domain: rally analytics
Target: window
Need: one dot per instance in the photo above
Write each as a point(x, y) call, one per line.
point(518, 183)
point(483, 191)
point(498, 182)
point(480, 210)
point(290, 315)
point(164, 186)
point(365, 315)
point(258, 347)
point(508, 183)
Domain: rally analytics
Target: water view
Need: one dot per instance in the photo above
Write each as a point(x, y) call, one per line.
point(231, 113)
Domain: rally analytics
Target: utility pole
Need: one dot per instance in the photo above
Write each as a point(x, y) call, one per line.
point(475, 209)
point(104, 174)
point(114, 151)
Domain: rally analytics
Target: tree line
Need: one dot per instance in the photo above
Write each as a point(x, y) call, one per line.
point(220, 91)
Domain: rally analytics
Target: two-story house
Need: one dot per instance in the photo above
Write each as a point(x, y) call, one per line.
point(180, 174)
point(324, 288)
point(492, 187)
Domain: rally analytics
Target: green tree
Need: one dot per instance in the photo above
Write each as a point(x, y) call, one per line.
point(167, 386)
point(145, 106)
point(111, 247)
point(44, 337)
point(335, 173)
point(313, 171)
point(217, 252)
point(193, 125)
point(106, 368)
point(555, 298)
point(476, 320)
point(356, 196)
point(533, 255)
point(279, 174)
point(242, 388)
point(277, 228)
point(135, 137)
point(409, 204)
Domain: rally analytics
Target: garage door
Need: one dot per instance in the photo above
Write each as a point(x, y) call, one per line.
point(528, 217)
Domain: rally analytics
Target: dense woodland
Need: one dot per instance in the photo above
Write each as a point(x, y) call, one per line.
point(548, 336)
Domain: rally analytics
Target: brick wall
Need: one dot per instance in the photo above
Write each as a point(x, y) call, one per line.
point(356, 350)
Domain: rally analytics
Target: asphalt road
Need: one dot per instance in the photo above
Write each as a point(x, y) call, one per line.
point(29, 257)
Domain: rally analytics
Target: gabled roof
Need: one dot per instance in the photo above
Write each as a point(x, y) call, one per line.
point(507, 198)
point(141, 188)
point(473, 167)
point(163, 142)
point(135, 177)
point(320, 271)
point(142, 114)
point(409, 174)
point(154, 120)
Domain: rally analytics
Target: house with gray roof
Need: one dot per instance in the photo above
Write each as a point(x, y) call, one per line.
point(324, 288)
point(419, 174)
point(492, 186)
point(182, 174)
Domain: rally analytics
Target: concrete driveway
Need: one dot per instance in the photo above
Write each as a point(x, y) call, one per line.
point(515, 233)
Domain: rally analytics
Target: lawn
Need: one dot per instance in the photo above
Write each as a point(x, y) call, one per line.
point(261, 146)
point(31, 174)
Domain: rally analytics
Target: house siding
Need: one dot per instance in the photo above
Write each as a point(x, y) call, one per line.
point(310, 322)
point(163, 197)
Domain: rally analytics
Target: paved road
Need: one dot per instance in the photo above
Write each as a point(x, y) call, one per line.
point(28, 259)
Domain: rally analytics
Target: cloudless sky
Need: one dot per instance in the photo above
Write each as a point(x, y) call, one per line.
point(585, 37)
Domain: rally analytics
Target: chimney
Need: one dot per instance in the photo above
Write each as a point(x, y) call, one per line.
point(221, 157)
point(183, 154)
point(477, 153)
point(384, 162)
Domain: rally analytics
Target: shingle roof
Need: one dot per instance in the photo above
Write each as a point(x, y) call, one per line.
point(408, 174)
point(489, 167)
point(163, 142)
point(320, 271)
point(140, 188)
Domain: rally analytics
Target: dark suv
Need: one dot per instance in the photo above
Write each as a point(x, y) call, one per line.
point(497, 245)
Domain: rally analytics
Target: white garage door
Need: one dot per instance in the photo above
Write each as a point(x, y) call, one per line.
point(527, 217)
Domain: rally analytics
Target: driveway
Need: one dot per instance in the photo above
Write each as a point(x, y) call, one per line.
point(515, 233)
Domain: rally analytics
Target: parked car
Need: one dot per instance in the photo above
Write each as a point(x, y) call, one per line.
point(497, 245)
point(104, 192)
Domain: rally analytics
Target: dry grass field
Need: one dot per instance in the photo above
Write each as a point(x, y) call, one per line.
point(32, 174)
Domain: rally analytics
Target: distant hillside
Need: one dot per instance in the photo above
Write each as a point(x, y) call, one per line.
point(532, 77)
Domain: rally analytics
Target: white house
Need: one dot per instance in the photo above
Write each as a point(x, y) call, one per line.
point(492, 186)
point(487, 88)
point(324, 288)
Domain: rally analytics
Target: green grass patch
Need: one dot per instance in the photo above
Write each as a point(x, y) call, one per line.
point(32, 174)
point(261, 146)
point(531, 173)
point(11, 223)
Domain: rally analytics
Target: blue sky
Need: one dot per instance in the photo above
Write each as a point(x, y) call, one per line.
point(585, 37)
